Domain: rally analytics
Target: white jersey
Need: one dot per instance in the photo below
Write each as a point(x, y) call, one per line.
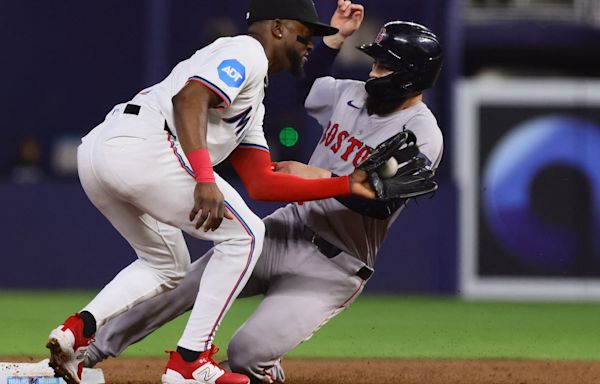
point(235, 68)
point(349, 134)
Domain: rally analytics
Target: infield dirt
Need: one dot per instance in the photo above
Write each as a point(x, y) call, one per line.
point(383, 371)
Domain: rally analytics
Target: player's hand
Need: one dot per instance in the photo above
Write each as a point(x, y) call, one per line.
point(347, 18)
point(209, 201)
point(301, 170)
point(359, 184)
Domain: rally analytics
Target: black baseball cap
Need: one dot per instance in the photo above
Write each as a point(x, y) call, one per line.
point(303, 11)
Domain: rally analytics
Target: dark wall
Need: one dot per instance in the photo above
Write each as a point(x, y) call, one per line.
point(65, 65)
point(54, 238)
point(69, 62)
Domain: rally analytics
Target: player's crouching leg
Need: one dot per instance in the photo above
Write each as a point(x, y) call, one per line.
point(168, 262)
point(243, 245)
point(255, 235)
point(251, 361)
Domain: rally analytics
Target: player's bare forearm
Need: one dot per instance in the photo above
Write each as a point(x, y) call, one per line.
point(190, 109)
point(302, 170)
point(347, 18)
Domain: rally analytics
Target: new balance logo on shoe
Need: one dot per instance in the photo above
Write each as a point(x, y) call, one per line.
point(207, 372)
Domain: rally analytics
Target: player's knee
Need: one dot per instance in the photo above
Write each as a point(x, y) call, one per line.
point(240, 363)
point(241, 355)
point(252, 234)
point(258, 229)
point(244, 354)
point(256, 226)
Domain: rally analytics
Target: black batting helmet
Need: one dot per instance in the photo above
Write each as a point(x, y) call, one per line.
point(412, 51)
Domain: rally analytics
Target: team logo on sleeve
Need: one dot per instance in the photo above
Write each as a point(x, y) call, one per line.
point(232, 73)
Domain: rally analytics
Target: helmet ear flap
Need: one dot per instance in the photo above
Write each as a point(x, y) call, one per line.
point(381, 87)
point(395, 86)
point(374, 85)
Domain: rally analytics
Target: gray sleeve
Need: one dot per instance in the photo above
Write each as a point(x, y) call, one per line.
point(320, 101)
point(429, 137)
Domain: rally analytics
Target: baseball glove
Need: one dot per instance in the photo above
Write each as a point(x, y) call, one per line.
point(412, 177)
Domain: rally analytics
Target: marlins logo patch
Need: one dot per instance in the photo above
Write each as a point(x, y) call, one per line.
point(232, 72)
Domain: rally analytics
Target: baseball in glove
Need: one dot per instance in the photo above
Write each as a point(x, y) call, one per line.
point(396, 171)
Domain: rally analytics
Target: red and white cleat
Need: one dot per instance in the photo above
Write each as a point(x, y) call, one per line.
point(67, 347)
point(203, 370)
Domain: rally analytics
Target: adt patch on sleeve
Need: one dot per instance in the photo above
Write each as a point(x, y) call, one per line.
point(232, 73)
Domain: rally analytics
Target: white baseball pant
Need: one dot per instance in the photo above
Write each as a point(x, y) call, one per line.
point(132, 171)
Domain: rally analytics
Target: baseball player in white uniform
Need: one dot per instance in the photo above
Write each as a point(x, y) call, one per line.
point(148, 168)
point(317, 256)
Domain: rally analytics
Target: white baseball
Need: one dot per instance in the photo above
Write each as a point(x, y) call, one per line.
point(388, 169)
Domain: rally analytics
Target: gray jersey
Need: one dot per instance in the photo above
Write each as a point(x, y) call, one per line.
point(349, 133)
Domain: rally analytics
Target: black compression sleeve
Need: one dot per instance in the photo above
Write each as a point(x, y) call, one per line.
point(320, 64)
point(376, 209)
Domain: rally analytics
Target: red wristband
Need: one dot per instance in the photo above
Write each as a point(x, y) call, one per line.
point(200, 161)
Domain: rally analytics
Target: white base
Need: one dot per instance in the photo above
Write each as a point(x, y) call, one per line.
point(26, 373)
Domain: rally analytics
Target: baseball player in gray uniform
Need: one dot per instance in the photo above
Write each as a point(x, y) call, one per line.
point(318, 255)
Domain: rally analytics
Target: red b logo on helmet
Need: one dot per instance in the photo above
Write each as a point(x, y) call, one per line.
point(380, 36)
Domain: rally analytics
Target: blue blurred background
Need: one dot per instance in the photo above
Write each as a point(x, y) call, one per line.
point(66, 63)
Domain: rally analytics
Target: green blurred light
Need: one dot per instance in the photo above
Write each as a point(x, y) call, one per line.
point(288, 136)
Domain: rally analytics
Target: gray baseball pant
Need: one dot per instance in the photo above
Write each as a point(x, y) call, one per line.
point(302, 288)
